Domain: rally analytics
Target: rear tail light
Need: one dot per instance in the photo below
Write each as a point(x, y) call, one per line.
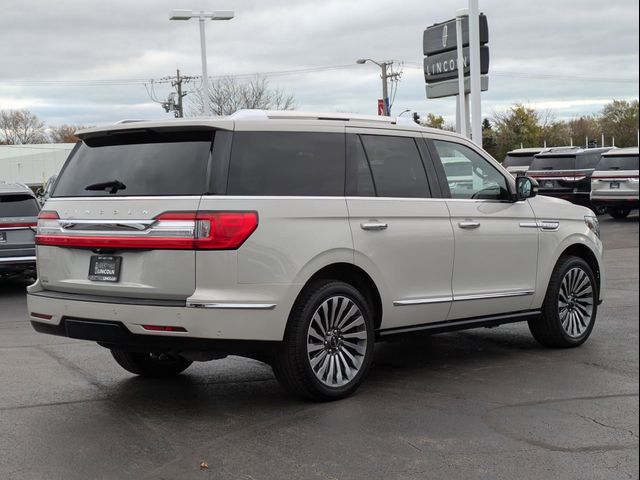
point(17, 225)
point(169, 231)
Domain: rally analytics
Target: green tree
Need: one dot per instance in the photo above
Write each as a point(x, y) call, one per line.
point(518, 125)
point(489, 138)
point(581, 128)
point(619, 119)
point(433, 121)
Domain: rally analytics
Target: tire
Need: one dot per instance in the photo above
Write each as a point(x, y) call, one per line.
point(570, 305)
point(147, 364)
point(601, 210)
point(328, 344)
point(619, 212)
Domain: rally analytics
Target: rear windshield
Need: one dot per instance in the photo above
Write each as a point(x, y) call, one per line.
point(622, 162)
point(553, 163)
point(517, 161)
point(18, 205)
point(138, 163)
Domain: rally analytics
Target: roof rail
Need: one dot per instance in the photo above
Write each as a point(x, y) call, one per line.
point(129, 120)
point(255, 114)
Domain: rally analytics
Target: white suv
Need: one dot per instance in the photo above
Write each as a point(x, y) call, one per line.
point(300, 239)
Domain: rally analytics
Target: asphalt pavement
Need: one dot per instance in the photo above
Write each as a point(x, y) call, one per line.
point(479, 404)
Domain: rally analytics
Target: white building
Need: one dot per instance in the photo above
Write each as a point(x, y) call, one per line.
point(32, 164)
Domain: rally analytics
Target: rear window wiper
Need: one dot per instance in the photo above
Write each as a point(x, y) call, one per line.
point(113, 186)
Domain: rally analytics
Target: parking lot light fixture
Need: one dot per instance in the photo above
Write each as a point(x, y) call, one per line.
point(202, 16)
point(383, 66)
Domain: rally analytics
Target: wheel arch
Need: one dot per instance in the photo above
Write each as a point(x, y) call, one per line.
point(582, 251)
point(353, 275)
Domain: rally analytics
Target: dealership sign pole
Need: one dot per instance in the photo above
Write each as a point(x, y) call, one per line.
point(461, 111)
point(474, 50)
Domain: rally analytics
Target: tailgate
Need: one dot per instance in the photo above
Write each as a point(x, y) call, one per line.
point(106, 230)
point(121, 220)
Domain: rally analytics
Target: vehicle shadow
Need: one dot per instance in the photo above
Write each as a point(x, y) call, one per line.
point(14, 284)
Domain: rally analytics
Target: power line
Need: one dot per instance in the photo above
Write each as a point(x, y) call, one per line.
point(296, 71)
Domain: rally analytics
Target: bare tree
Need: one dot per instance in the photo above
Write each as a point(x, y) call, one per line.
point(65, 133)
point(20, 127)
point(228, 94)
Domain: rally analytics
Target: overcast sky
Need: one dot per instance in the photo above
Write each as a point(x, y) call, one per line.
point(567, 55)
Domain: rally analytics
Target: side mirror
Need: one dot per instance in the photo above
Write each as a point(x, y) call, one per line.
point(526, 187)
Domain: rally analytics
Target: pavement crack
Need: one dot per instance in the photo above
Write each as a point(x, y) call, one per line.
point(619, 429)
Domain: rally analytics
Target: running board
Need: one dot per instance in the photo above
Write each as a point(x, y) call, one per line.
point(462, 324)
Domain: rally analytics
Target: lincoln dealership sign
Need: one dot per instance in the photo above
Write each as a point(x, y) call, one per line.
point(444, 66)
point(439, 45)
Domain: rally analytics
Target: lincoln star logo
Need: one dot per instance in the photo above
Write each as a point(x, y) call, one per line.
point(445, 34)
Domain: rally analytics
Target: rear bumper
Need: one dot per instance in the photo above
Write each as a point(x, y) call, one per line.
point(615, 201)
point(259, 322)
point(17, 263)
point(115, 335)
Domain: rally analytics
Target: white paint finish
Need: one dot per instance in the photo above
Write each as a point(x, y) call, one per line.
point(496, 257)
point(571, 231)
point(166, 274)
point(410, 259)
point(296, 236)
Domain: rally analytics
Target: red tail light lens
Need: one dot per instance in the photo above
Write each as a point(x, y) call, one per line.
point(170, 231)
point(224, 230)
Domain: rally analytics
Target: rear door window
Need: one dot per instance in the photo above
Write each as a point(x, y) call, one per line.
point(396, 166)
point(18, 205)
point(287, 164)
point(138, 164)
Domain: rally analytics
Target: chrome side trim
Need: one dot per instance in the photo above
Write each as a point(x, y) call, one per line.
point(529, 224)
point(546, 225)
point(422, 301)
point(239, 306)
point(549, 225)
point(463, 298)
point(17, 259)
point(486, 296)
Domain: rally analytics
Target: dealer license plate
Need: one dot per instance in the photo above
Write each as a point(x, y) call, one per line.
point(104, 268)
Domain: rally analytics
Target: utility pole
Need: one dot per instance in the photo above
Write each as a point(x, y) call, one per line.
point(178, 83)
point(385, 91)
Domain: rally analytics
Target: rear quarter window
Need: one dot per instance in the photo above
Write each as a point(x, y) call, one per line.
point(146, 163)
point(287, 164)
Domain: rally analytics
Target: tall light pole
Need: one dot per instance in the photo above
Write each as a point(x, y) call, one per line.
point(385, 95)
point(202, 16)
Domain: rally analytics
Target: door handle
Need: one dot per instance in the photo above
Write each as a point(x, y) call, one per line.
point(373, 226)
point(468, 225)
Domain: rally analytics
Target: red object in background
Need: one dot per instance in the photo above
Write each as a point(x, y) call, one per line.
point(380, 106)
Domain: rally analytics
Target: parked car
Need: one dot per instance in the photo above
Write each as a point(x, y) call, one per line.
point(18, 216)
point(518, 161)
point(566, 173)
point(300, 239)
point(614, 184)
